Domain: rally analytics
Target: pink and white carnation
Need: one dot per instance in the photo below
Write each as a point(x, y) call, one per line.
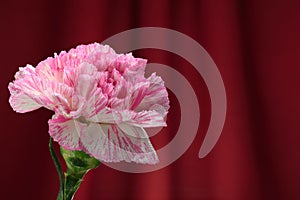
point(101, 99)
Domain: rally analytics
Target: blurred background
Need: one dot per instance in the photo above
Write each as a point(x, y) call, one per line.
point(256, 46)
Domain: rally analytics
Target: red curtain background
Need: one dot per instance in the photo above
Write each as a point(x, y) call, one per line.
point(256, 46)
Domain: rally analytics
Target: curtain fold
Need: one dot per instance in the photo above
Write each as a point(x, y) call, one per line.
point(255, 45)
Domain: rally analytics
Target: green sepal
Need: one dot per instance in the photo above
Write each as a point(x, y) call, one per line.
point(78, 164)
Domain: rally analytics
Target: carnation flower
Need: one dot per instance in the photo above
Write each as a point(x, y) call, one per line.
point(101, 99)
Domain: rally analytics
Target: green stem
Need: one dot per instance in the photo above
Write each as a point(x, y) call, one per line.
point(58, 169)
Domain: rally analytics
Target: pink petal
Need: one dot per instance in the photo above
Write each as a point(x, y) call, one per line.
point(51, 69)
point(132, 67)
point(156, 97)
point(86, 80)
point(147, 119)
point(66, 132)
point(105, 115)
point(95, 103)
point(85, 85)
point(142, 119)
point(96, 54)
point(139, 92)
point(112, 143)
point(22, 103)
point(23, 71)
point(50, 94)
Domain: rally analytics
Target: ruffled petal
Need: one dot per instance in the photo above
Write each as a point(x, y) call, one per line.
point(147, 119)
point(96, 54)
point(156, 97)
point(51, 69)
point(115, 143)
point(50, 94)
point(85, 85)
point(22, 103)
point(138, 93)
point(142, 119)
point(131, 68)
point(105, 115)
point(95, 104)
point(23, 71)
point(66, 132)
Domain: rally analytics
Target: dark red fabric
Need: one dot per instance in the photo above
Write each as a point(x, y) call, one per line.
point(256, 46)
